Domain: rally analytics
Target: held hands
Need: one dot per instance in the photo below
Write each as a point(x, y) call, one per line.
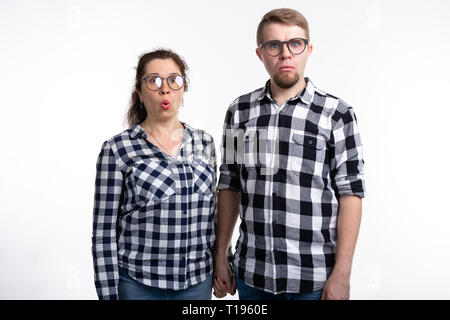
point(336, 288)
point(224, 281)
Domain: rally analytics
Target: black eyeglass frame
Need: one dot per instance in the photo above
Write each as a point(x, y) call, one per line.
point(162, 79)
point(264, 44)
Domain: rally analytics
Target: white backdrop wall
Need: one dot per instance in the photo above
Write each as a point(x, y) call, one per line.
point(66, 74)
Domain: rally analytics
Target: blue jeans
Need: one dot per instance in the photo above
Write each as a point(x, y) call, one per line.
point(249, 293)
point(131, 289)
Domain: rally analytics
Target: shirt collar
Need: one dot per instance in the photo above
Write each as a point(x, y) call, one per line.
point(136, 130)
point(306, 95)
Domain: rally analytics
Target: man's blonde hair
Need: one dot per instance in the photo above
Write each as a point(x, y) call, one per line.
point(285, 16)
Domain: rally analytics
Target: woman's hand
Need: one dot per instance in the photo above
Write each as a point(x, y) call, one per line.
point(224, 281)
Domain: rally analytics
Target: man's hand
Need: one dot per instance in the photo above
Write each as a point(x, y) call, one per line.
point(349, 220)
point(227, 213)
point(224, 281)
point(337, 287)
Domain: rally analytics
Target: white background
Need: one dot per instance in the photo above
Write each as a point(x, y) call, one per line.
point(66, 75)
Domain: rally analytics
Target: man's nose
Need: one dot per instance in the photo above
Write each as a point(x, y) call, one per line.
point(285, 53)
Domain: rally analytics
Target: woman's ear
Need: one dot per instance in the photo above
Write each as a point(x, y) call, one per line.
point(140, 95)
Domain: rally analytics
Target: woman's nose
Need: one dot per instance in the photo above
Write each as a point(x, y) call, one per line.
point(164, 89)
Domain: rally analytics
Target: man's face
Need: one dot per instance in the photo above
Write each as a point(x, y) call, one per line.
point(286, 69)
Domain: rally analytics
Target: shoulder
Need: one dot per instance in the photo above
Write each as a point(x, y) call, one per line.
point(240, 107)
point(120, 141)
point(200, 136)
point(246, 100)
point(333, 106)
point(202, 144)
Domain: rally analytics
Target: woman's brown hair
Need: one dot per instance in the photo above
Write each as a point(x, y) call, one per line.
point(136, 112)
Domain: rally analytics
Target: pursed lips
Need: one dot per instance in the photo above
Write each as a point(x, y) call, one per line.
point(165, 104)
point(286, 67)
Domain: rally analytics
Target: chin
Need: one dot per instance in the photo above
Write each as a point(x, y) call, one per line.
point(169, 113)
point(286, 81)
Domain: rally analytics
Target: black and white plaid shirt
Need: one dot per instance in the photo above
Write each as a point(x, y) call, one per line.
point(291, 164)
point(154, 214)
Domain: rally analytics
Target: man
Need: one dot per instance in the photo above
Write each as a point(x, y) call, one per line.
point(292, 167)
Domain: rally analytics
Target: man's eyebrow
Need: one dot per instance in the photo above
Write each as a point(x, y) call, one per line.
point(269, 41)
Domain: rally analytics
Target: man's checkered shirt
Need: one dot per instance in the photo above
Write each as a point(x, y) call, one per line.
point(154, 214)
point(291, 164)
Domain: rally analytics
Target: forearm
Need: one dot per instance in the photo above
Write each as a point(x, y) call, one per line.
point(349, 220)
point(227, 213)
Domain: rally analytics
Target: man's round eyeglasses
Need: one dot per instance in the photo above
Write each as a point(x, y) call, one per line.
point(154, 82)
point(274, 47)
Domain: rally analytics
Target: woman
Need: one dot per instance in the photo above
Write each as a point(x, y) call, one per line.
point(153, 232)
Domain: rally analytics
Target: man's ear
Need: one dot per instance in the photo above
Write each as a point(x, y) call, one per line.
point(258, 53)
point(310, 48)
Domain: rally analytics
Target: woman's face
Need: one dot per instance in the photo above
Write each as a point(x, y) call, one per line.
point(164, 103)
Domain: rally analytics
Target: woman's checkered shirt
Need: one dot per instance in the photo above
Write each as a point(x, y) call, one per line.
point(154, 214)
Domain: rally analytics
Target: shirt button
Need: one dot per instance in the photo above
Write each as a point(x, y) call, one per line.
point(184, 212)
point(310, 142)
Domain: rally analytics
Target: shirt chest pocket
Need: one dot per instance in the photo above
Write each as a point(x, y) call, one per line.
point(203, 177)
point(306, 151)
point(153, 180)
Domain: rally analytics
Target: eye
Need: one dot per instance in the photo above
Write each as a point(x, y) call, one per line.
point(179, 80)
point(297, 43)
point(273, 45)
point(155, 80)
point(175, 81)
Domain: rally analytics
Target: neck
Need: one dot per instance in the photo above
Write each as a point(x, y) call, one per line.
point(161, 128)
point(281, 95)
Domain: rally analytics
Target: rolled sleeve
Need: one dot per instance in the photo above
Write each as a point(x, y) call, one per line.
point(108, 191)
point(347, 163)
point(229, 171)
point(229, 180)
